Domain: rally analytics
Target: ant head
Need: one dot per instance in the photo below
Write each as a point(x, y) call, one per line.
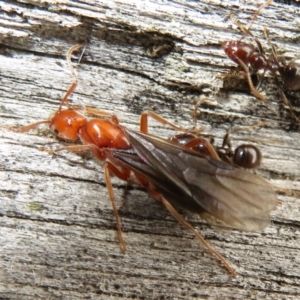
point(247, 156)
point(238, 50)
point(66, 124)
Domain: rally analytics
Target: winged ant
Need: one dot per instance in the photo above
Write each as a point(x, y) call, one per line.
point(186, 169)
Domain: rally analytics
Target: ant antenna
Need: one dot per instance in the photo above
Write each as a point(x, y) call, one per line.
point(73, 73)
point(69, 58)
point(257, 13)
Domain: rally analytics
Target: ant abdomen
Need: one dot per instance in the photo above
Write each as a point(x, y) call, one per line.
point(290, 75)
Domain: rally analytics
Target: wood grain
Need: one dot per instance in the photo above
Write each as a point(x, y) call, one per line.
point(58, 238)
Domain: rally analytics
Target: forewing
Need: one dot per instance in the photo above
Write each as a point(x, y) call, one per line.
point(162, 184)
point(238, 198)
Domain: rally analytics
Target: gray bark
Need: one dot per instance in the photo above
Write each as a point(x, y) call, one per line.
point(58, 237)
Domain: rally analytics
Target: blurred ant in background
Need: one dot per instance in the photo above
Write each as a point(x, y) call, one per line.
point(253, 59)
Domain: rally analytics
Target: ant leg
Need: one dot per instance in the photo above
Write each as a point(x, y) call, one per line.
point(261, 78)
point(29, 127)
point(122, 174)
point(187, 225)
point(109, 167)
point(274, 53)
point(283, 97)
point(198, 104)
point(71, 148)
point(258, 12)
point(247, 30)
point(205, 144)
point(144, 122)
point(102, 113)
point(251, 86)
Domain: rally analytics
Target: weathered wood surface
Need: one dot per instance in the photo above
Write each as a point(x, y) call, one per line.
point(58, 238)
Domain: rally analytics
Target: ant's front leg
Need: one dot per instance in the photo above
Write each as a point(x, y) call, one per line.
point(123, 174)
point(250, 83)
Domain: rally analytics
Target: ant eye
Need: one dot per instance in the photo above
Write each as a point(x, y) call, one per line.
point(247, 156)
point(54, 129)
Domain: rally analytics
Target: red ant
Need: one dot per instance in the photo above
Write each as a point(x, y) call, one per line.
point(247, 56)
point(190, 174)
point(96, 135)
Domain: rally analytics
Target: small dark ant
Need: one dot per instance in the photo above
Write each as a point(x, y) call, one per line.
point(247, 56)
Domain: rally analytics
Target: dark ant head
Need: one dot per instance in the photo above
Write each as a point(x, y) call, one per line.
point(247, 156)
point(238, 49)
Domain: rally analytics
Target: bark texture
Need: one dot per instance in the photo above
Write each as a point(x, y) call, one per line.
point(58, 237)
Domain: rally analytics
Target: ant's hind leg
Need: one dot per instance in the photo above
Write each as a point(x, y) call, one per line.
point(205, 144)
point(187, 225)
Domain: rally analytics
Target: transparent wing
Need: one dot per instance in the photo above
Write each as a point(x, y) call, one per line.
point(238, 198)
